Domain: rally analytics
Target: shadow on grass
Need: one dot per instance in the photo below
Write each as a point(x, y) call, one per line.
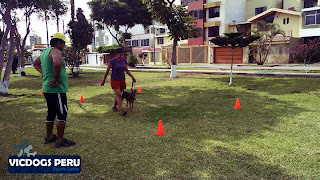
point(211, 110)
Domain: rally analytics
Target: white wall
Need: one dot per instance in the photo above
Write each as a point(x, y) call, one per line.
point(235, 10)
point(93, 59)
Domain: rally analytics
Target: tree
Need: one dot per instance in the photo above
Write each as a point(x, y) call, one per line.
point(180, 24)
point(267, 32)
point(45, 12)
point(59, 8)
point(307, 51)
point(81, 34)
point(119, 13)
point(6, 7)
point(1, 35)
point(72, 9)
point(28, 7)
point(233, 40)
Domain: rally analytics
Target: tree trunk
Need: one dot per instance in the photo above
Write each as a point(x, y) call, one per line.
point(7, 21)
point(306, 66)
point(4, 85)
point(46, 17)
point(57, 23)
point(72, 10)
point(174, 59)
point(230, 83)
point(3, 48)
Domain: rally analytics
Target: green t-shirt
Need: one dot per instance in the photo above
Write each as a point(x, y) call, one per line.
point(48, 74)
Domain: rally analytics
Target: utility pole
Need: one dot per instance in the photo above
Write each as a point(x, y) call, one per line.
point(154, 45)
point(234, 24)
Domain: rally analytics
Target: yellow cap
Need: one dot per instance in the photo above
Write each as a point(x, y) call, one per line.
point(59, 36)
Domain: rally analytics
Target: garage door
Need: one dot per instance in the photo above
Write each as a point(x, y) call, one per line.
point(223, 55)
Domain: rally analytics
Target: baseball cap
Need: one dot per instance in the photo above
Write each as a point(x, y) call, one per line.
point(59, 36)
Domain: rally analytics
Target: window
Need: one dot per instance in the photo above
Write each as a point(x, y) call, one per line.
point(162, 30)
point(284, 20)
point(105, 40)
point(97, 41)
point(310, 3)
point(145, 42)
point(312, 17)
point(147, 31)
point(287, 20)
point(198, 33)
point(213, 31)
point(199, 14)
point(160, 40)
point(128, 43)
point(260, 9)
point(135, 43)
point(214, 12)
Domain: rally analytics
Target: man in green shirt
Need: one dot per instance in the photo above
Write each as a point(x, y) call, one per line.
point(55, 85)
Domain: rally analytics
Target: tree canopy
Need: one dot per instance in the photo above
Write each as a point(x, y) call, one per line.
point(117, 13)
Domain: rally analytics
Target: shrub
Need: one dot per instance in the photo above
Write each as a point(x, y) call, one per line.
point(132, 61)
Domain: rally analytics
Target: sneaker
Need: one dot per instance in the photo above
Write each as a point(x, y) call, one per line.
point(123, 113)
point(64, 143)
point(115, 109)
point(50, 140)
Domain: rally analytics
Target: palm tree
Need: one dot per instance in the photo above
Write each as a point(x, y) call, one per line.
point(59, 8)
point(267, 32)
point(45, 12)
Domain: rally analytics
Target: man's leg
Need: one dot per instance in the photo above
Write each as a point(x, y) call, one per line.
point(51, 99)
point(49, 126)
point(61, 122)
point(61, 115)
point(60, 130)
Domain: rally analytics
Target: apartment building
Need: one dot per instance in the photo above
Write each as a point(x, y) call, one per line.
point(215, 18)
point(310, 20)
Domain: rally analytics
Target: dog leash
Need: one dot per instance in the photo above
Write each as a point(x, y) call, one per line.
point(132, 86)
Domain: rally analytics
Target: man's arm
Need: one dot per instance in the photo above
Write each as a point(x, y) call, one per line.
point(56, 56)
point(57, 62)
point(37, 65)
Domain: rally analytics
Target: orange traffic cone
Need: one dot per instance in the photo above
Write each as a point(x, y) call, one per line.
point(41, 92)
point(160, 129)
point(139, 89)
point(81, 99)
point(237, 106)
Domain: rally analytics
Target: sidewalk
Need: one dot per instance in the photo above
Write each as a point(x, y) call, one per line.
point(224, 72)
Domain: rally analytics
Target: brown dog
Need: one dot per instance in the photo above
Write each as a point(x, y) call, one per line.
point(130, 97)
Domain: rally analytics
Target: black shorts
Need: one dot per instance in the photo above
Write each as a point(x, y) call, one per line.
point(57, 106)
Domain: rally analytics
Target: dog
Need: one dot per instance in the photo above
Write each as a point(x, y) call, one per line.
point(130, 97)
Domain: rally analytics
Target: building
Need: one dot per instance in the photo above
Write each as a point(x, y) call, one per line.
point(35, 40)
point(310, 23)
point(37, 50)
point(215, 18)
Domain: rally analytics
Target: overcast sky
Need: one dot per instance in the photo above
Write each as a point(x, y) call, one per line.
point(38, 26)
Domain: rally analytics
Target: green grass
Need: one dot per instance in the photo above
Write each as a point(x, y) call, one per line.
point(274, 136)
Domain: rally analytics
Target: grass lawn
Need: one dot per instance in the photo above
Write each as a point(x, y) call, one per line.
point(274, 136)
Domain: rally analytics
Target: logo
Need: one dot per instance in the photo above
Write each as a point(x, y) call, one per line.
point(29, 162)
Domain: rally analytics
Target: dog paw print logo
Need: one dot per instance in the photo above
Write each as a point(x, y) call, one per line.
point(24, 149)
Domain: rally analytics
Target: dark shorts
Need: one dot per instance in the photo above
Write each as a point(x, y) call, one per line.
point(118, 84)
point(57, 106)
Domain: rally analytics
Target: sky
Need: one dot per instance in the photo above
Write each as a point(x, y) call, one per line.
point(38, 26)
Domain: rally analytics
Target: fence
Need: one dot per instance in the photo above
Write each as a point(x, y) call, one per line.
point(186, 54)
